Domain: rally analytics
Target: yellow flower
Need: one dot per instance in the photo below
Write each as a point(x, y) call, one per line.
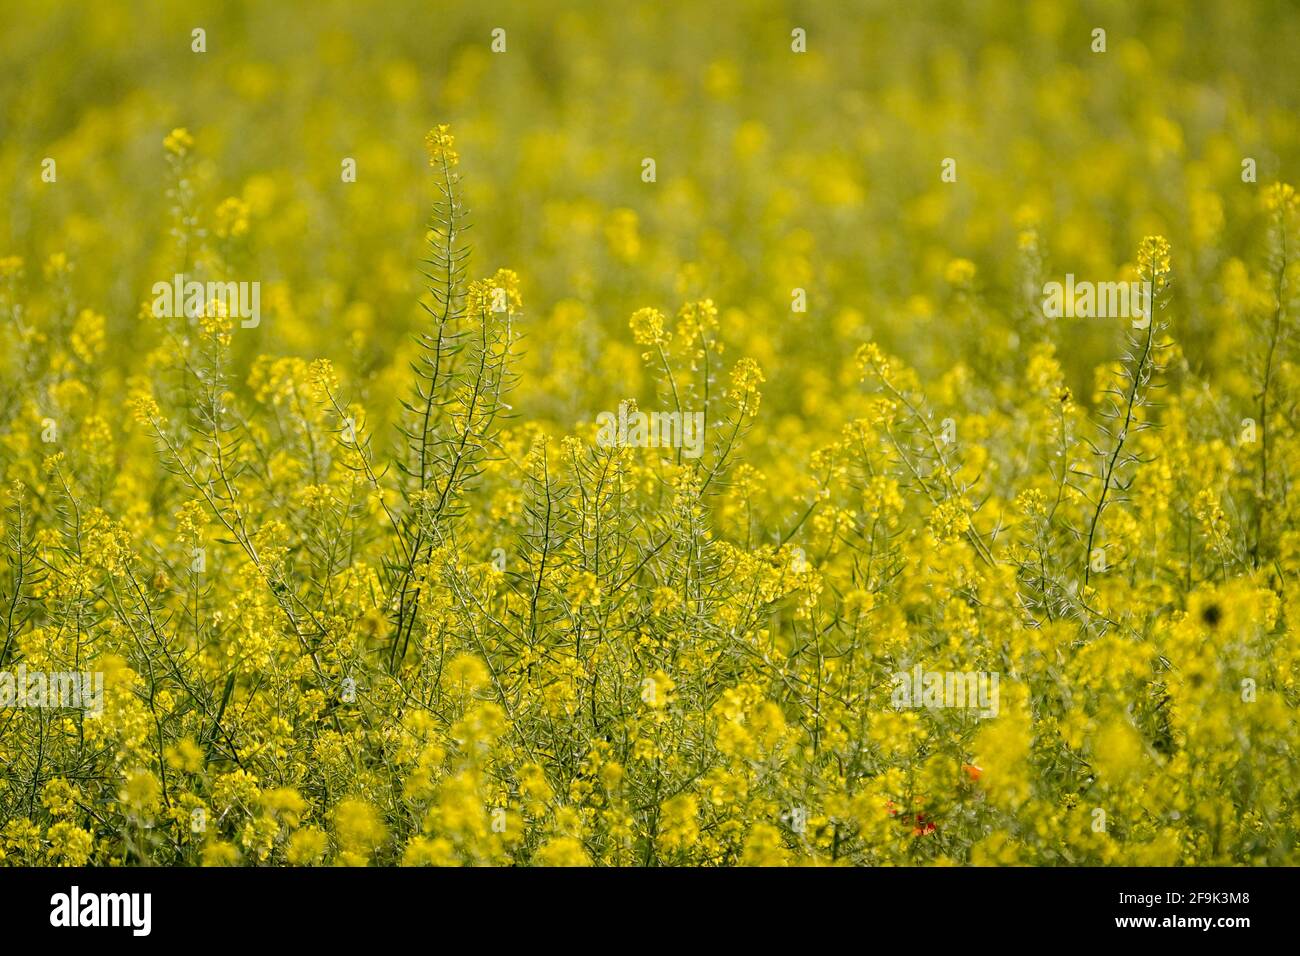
point(466, 673)
point(950, 519)
point(960, 272)
point(324, 377)
point(220, 853)
point(1153, 258)
point(648, 327)
point(498, 294)
point(562, 851)
point(307, 846)
point(59, 797)
point(423, 851)
point(1118, 751)
point(764, 847)
point(358, 828)
point(70, 845)
point(746, 377)
point(439, 143)
point(185, 755)
point(584, 591)
point(678, 822)
point(141, 792)
point(1281, 198)
point(179, 142)
point(87, 339)
point(232, 218)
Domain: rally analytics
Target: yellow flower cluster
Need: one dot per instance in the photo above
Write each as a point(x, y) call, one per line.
point(786, 527)
point(439, 143)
